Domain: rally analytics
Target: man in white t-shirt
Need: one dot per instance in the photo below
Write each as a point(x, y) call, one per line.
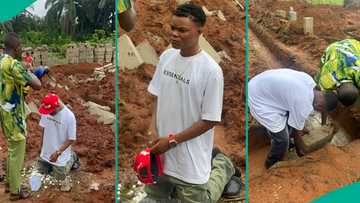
point(281, 100)
point(188, 86)
point(59, 133)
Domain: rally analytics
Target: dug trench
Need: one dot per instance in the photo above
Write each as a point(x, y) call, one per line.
point(298, 179)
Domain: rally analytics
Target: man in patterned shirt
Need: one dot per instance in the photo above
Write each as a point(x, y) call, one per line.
point(340, 70)
point(126, 15)
point(13, 79)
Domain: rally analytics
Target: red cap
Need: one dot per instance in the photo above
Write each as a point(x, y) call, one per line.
point(49, 103)
point(148, 167)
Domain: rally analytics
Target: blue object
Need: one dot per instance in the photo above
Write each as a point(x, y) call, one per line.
point(39, 72)
point(35, 182)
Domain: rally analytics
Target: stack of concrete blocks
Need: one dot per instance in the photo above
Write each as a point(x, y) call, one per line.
point(72, 54)
point(37, 57)
point(44, 54)
point(99, 54)
point(292, 16)
point(83, 53)
point(109, 52)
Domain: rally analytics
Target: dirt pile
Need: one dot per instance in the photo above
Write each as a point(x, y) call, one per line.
point(136, 102)
point(304, 179)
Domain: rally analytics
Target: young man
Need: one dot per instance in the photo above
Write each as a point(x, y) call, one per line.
point(340, 70)
point(126, 15)
point(188, 86)
point(14, 79)
point(59, 133)
point(282, 99)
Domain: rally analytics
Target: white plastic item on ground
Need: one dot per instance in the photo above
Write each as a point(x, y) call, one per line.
point(35, 181)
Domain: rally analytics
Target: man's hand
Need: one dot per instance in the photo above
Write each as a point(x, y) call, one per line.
point(55, 156)
point(26, 65)
point(160, 145)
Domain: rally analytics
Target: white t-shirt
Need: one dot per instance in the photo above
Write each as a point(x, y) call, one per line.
point(279, 96)
point(57, 130)
point(188, 89)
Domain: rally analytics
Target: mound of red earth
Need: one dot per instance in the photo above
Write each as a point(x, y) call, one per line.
point(95, 143)
point(136, 103)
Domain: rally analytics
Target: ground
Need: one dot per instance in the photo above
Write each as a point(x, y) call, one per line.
point(95, 143)
point(277, 43)
point(136, 102)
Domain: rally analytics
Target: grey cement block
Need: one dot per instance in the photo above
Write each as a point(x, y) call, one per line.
point(148, 53)
point(318, 135)
point(129, 57)
point(179, 2)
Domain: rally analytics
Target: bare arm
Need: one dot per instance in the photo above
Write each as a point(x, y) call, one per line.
point(161, 144)
point(58, 152)
point(323, 118)
point(153, 130)
point(195, 130)
point(34, 82)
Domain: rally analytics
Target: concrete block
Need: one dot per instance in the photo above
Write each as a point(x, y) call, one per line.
point(147, 53)
point(341, 138)
point(129, 57)
point(206, 46)
point(220, 15)
point(280, 13)
point(90, 104)
point(318, 135)
point(308, 25)
point(180, 2)
point(223, 55)
point(104, 117)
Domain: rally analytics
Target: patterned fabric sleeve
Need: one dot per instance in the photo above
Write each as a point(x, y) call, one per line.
point(20, 74)
point(123, 5)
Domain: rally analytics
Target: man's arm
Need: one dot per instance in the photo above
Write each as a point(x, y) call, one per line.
point(161, 145)
point(34, 82)
point(153, 135)
point(58, 152)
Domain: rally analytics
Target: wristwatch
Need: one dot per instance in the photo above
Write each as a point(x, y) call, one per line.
point(172, 141)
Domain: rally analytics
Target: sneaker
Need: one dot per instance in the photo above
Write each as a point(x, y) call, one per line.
point(23, 194)
point(233, 188)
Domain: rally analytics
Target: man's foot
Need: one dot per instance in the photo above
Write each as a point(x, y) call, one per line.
point(23, 194)
point(269, 163)
point(233, 187)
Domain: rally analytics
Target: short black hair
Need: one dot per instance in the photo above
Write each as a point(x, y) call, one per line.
point(330, 100)
point(11, 40)
point(194, 12)
point(348, 93)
